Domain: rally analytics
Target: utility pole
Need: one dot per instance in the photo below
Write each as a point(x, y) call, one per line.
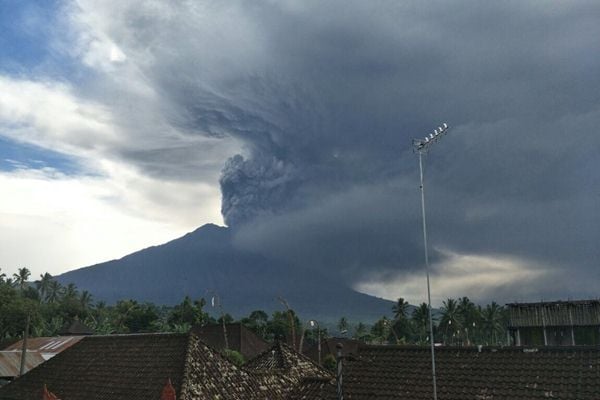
point(421, 146)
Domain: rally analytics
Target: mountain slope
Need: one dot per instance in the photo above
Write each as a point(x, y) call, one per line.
point(205, 260)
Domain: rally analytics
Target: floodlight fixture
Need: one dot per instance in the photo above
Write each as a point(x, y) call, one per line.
point(422, 145)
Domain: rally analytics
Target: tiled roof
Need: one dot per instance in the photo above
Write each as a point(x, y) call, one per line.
point(404, 372)
point(136, 367)
point(239, 338)
point(282, 369)
point(328, 347)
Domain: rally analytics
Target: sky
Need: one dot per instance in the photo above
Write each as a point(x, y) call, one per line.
point(124, 124)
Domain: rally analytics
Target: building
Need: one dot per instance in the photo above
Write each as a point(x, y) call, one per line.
point(143, 366)
point(38, 351)
point(557, 323)
point(328, 348)
point(283, 369)
point(137, 367)
point(239, 338)
point(463, 373)
point(10, 364)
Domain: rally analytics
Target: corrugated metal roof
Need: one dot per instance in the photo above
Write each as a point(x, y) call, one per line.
point(10, 362)
point(557, 313)
point(52, 345)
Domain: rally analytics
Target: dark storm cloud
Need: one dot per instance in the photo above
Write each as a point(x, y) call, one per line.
point(325, 97)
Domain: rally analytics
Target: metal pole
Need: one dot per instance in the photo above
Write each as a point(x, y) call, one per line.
point(24, 348)
point(339, 375)
point(431, 340)
point(319, 343)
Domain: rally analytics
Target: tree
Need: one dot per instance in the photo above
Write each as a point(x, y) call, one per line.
point(85, 298)
point(43, 285)
point(493, 322)
point(361, 332)
point(420, 318)
point(257, 322)
point(470, 316)
point(20, 278)
point(400, 309)
point(382, 331)
point(343, 325)
point(451, 322)
point(70, 291)
point(132, 317)
point(401, 327)
point(55, 290)
point(188, 312)
point(281, 323)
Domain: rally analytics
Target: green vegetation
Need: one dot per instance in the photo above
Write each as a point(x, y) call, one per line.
point(50, 305)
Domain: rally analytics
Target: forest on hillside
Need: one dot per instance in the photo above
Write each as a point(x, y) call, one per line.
point(48, 306)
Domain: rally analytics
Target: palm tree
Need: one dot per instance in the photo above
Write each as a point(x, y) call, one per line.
point(55, 290)
point(452, 320)
point(86, 299)
point(470, 317)
point(43, 284)
point(343, 325)
point(420, 318)
point(360, 332)
point(21, 277)
point(400, 309)
point(70, 291)
point(492, 319)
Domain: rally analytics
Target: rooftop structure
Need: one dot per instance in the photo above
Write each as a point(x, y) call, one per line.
point(282, 369)
point(512, 373)
point(239, 338)
point(555, 323)
point(137, 367)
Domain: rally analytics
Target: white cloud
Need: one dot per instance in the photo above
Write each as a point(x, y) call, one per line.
point(50, 222)
point(472, 275)
point(110, 204)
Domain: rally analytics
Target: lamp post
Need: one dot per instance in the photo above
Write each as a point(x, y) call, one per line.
point(422, 146)
point(314, 323)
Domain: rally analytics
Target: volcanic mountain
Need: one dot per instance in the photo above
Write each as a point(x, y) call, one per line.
point(205, 261)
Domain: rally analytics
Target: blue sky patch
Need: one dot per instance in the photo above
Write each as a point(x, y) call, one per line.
point(14, 155)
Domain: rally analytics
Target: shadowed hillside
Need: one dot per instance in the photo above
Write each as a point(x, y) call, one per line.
point(204, 261)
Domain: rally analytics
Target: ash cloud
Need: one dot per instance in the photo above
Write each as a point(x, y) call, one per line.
point(324, 98)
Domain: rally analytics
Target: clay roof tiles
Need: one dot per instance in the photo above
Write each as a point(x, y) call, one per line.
point(136, 367)
point(282, 369)
point(404, 372)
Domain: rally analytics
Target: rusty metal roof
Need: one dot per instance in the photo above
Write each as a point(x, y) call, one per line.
point(10, 362)
point(46, 345)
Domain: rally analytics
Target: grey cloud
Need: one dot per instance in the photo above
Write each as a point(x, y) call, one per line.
point(324, 99)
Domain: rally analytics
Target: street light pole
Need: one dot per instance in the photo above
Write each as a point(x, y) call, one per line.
point(421, 146)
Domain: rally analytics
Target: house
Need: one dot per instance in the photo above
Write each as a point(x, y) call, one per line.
point(239, 338)
point(328, 348)
point(557, 323)
point(136, 367)
point(75, 328)
point(463, 373)
point(38, 351)
point(47, 347)
point(282, 369)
